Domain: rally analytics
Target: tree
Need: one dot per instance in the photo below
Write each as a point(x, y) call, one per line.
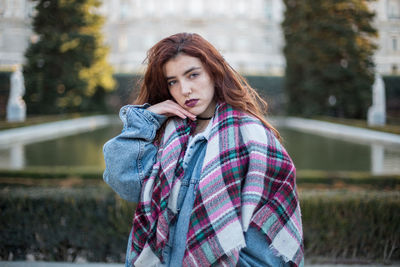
point(329, 49)
point(66, 69)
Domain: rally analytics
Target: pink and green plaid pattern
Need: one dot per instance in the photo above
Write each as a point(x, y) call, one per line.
point(247, 179)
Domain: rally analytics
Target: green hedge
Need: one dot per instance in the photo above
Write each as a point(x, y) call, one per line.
point(304, 177)
point(56, 224)
point(352, 225)
point(61, 224)
point(310, 178)
point(52, 173)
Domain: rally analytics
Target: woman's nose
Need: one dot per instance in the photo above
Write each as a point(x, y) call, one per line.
point(186, 89)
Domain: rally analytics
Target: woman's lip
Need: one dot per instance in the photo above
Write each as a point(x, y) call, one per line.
point(191, 102)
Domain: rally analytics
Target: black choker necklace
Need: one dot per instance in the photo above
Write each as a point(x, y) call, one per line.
point(204, 119)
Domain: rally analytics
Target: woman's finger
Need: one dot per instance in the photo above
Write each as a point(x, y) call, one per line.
point(176, 107)
point(170, 108)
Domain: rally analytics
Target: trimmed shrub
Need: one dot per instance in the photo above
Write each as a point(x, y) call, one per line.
point(305, 178)
point(62, 224)
point(52, 173)
point(352, 225)
point(56, 224)
point(310, 178)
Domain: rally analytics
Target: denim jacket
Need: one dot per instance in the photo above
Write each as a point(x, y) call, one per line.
point(129, 157)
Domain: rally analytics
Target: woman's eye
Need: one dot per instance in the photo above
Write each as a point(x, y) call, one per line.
point(170, 83)
point(193, 75)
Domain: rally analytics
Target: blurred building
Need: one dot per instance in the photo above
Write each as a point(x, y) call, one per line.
point(387, 21)
point(247, 32)
point(15, 30)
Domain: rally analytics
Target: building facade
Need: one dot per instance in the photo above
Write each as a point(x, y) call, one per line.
point(15, 30)
point(247, 32)
point(387, 21)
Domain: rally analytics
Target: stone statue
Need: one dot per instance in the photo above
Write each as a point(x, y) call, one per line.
point(16, 108)
point(377, 112)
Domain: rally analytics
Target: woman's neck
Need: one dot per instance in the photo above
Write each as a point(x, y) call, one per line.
point(201, 126)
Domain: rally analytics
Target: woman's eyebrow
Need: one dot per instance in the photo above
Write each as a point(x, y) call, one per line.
point(186, 72)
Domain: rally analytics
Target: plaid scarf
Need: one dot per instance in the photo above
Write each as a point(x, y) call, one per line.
point(247, 179)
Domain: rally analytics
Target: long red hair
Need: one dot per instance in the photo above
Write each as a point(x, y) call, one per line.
point(230, 86)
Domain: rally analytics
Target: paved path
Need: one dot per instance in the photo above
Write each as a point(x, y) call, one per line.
point(66, 264)
point(52, 130)
point(55, 264)
point(337, 130)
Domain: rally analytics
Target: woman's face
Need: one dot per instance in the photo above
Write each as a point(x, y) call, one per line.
point(190, 85)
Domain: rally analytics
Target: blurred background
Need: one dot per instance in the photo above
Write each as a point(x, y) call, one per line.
point(328, 69)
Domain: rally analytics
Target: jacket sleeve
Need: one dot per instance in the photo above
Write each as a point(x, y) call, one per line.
point(130, 156)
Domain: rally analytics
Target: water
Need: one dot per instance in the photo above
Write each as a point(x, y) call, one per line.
point(82, 150)
point(308, 151)
point(316, 152)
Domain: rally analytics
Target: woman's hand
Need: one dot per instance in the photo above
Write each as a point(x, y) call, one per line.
point(170, 108)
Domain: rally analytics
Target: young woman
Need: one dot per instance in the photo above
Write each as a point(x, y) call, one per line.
point(214, 185)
